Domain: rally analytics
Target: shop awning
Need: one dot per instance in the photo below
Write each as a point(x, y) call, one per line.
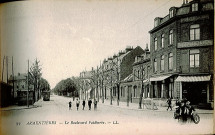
point(145, 81)
point(193, 78)
point(159, 78)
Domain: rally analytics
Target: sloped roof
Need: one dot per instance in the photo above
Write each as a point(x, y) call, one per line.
point(128, 78)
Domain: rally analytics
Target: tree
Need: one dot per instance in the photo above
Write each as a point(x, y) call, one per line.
point(44, 85)
point(66, 86)
point(34, 78)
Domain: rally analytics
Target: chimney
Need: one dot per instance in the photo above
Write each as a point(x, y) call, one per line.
point(110, 58)
point(147, 49)
point(121, 53)
point(114, 56)
point(128, 48)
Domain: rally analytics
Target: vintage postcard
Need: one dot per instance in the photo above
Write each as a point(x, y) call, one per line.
point(107, 67)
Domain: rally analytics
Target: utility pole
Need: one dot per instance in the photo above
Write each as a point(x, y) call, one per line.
point(13, 78)
point(7, 67)
point(3, 70)
point(28, 85)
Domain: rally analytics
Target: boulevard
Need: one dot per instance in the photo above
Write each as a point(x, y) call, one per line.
point(54, 117)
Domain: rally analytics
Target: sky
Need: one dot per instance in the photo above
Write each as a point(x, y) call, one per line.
point(70, 36)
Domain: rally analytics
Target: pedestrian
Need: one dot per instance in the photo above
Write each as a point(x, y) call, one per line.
point(83, 103)
point(77, 104)
point(169, 102)
point(70, 105)
point(177, 103)
point(89, 104)
point(95, 105)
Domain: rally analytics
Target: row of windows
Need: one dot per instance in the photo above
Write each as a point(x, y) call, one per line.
point(170, 62)
point(122, 92)
point(193, 60)
point(141, 74)
point(194, 35)
point(194, 7)
point(162, 40)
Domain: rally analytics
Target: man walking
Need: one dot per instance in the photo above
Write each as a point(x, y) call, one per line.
point(95, 105)
point(169, 102)
point(83, 103)
point(77, 104)
point(70, 105)
point(89, 104)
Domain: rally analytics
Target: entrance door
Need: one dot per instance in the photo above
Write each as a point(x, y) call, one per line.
point(195, 92)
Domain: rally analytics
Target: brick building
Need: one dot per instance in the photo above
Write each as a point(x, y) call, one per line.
point(85, 81)
point(116, 69)
point(131, 86)
point(182, 53)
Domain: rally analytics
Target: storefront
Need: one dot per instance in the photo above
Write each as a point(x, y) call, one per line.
point(195, 88)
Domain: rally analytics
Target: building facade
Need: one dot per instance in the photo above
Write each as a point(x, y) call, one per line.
point(138, 80)
point(182, 53)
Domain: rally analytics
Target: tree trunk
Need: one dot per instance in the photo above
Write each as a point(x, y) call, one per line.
point(141, 97)
point(118, 95)
point(102, 93)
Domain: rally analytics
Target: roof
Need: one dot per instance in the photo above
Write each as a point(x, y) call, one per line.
point(21, 76)
point(129, 78)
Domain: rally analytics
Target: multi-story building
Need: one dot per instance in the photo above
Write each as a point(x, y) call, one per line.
point(117, 68)
point(86, 81)
point(182, 53)
point(138, 80)
point(21, 88)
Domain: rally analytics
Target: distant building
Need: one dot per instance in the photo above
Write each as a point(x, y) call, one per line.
point(182, 52)
point(86, 91)
point(21, 87)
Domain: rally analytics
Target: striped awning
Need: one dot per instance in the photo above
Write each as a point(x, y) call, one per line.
point(159, 78)
point(193, 78)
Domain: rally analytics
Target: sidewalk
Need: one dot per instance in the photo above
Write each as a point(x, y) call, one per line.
point(135, 106)
point(16, 107)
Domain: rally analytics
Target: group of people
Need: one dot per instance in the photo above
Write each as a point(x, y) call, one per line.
point(83, 104)
point(183, 107)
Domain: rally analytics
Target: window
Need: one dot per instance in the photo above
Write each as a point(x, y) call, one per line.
point(121, 91)
point(143, 74)
point(170, 90)
point(170, 13)
point(148, 71)
point(162, 63)
point(155, 65)
point(171, 37)
point(162, 40)
point(135, 90)
point(170, 61)
point(156, 43)
point(134, 74)
point(194, 58)
point(194, 32)
point(138, 74)
point(195, 7)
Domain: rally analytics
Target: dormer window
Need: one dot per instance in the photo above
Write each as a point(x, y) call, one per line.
point(171, 13)
point(194, 7)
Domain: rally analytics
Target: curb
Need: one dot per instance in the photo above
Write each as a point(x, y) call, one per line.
point(19, 108)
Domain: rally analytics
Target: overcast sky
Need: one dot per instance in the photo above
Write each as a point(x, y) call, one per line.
point(71, 36)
